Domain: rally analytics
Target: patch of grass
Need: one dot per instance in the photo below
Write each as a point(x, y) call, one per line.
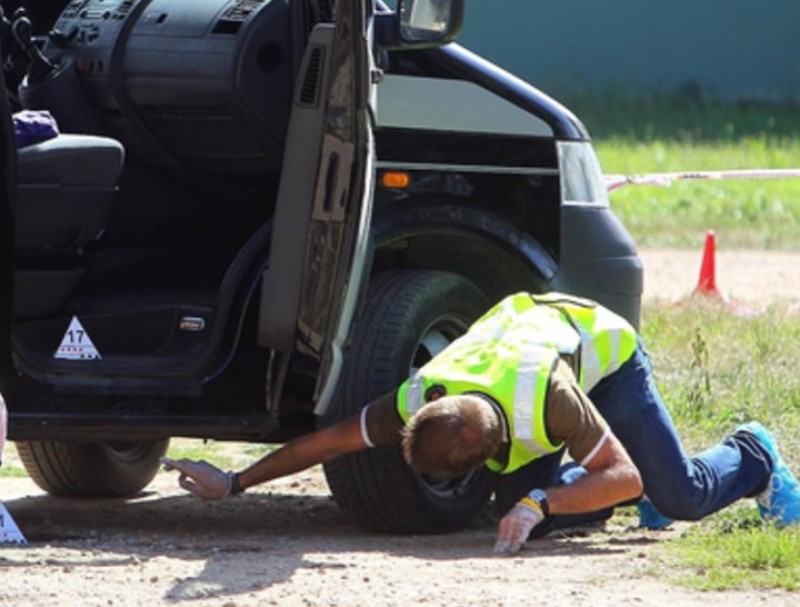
point(227, 456)
point(733, 549)
point(757, 214)
point(715, 370)
point(12, 465)
point(685, 132)
point(685, 115)
point(12, 470)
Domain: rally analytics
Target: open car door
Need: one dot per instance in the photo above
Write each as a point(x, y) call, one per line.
point(337, 251)
point(325, 197)
point(325, 200)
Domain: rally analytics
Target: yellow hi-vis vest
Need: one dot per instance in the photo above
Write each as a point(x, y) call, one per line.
point(607, 341)
point(509, 353)
point(515, 373)
point(595, 340)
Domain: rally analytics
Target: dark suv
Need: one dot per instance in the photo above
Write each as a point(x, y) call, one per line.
point(259, 215)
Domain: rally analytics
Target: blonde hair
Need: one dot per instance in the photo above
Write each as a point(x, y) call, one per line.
point(451, 436)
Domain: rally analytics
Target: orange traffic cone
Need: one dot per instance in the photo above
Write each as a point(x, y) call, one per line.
point(707, 283)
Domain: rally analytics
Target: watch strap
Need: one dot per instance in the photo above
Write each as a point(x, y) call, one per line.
point(234, 486)
point(540, 497)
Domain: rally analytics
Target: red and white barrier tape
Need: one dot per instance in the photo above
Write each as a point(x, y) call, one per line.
point(614, 182)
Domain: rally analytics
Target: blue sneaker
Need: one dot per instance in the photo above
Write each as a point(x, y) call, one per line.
point(780, 502)
point(650, 517)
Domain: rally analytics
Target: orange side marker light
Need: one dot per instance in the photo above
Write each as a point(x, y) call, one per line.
point(395, 180)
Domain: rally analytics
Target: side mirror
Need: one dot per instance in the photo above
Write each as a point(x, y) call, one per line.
point(420, 23)
point(431, 21)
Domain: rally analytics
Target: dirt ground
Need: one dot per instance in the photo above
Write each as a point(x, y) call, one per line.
point(288, 544)
point(756, 278)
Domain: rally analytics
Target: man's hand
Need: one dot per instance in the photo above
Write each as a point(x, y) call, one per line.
point(516, 526)
point(201, 478)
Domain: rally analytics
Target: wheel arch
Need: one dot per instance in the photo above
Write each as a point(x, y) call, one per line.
point(483, 247)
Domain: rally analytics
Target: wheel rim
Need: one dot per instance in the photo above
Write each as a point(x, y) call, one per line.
point(436, 338)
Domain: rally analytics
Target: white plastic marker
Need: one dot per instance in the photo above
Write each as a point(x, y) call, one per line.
point(9, 532)
point(614, 182)
point(76, 344)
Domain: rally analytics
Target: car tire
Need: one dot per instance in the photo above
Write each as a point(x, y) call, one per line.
point(407, 317)
point(92, 469)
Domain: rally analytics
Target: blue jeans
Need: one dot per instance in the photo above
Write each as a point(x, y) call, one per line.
point(680, 486)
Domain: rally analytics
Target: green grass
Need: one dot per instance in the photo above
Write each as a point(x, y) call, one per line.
point(684, 132)
point(732, 549)
point(218, 453)
point(685, 116)
point(11, 467)
point(717, 369)
point(754, 214)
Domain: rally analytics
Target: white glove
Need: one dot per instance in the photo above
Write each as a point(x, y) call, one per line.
point(201, 478)
point(516, 526)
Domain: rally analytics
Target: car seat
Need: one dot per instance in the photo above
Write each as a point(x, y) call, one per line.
point(65, 190)
point(65, 194)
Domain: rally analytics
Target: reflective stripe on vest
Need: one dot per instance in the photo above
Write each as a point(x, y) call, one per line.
point(607, 340)
point(510, 368)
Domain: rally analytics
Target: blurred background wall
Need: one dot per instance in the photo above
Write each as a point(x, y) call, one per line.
point(728, 49)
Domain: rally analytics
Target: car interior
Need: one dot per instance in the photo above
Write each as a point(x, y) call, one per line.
point(148, 212)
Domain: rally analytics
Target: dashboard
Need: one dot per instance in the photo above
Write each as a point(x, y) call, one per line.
point(200, 82)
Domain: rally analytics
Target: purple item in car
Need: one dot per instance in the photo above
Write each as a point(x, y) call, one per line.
point(33, 126)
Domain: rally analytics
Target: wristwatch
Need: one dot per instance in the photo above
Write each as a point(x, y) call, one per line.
point(234, 486)
point(540, 497)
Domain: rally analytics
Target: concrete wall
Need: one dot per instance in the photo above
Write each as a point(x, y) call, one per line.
point(729, 48)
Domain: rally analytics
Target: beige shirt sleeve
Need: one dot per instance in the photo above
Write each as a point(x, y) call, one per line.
point(572, 418)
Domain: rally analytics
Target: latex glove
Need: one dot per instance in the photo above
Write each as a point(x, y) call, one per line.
point(516, 526)
point(201, 478)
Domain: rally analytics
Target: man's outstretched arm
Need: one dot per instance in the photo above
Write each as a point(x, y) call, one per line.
point(209, 482)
